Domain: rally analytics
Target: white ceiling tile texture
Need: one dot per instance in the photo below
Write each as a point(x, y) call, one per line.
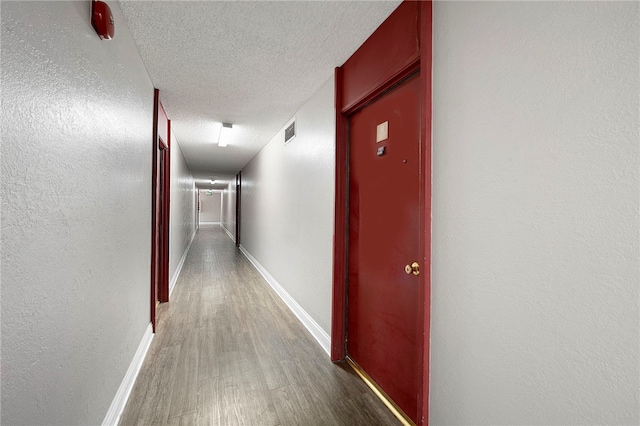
point(251, 63)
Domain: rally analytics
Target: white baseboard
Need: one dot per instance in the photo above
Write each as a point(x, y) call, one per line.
point(176, 273)
point(316, 331)
point(209, 223)
point(228, 233)
point(122, 395)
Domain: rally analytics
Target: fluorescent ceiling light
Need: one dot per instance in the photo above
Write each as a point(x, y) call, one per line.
point(225, 134)
point(213, 182)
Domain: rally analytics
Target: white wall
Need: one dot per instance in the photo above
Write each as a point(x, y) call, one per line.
point(229, 209)
point(287, 207)
point(535, 213)
point(76, 211)
point(182, 225)
point(210, 206)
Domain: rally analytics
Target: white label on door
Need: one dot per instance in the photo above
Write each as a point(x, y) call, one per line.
point(382, 131)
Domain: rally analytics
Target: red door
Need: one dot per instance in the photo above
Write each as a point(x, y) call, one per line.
point(161, 181)
point(384, 328)
point(160, 248)
point(163, 224)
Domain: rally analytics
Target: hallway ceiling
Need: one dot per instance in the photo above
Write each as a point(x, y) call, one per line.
point(253, 64)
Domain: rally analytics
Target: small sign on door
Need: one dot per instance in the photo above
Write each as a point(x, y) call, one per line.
point(382, 131)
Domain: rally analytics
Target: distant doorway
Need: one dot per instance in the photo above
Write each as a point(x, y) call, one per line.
point(238, 206)
point(210, 211)
point(161, 180)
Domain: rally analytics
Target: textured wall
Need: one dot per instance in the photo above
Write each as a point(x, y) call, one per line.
point(229, 208)
point(182, 224)
point(76, 199)
point(535, 213)
point(287, 207)
point(210, 206)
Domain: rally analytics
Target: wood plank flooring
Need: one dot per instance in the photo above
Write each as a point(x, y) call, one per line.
point(229, 352)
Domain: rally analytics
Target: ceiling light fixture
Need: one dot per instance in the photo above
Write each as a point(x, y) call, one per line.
point(225, 134)
point(213, 182)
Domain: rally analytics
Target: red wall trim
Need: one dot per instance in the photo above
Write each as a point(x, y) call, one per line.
point(338, 325)
point(426, 65)
point(384, 57)
point(154, 189)
point(238, 207)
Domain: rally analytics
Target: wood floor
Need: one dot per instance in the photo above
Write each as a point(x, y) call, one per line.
point(229, 352)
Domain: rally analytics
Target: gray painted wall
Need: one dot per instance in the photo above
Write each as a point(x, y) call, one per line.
point(76, 212)
point(182, 224)
point(210, 206)
point(535, 213)
point(229, 209)
point(287, 207)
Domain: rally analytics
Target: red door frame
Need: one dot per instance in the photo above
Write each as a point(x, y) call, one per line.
point(160, 183)
point(163, 287)
point(406, 36)
point(238, 206)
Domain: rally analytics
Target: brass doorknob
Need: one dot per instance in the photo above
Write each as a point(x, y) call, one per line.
point(414, 269)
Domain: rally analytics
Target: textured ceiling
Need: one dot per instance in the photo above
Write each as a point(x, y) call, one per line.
point(252, 64)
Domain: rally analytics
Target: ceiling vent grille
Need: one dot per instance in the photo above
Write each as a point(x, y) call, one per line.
point(290, 132)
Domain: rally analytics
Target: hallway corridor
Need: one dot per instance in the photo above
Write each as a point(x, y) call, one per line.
point(229, 352)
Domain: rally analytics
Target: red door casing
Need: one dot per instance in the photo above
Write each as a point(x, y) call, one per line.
point(383, 332)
